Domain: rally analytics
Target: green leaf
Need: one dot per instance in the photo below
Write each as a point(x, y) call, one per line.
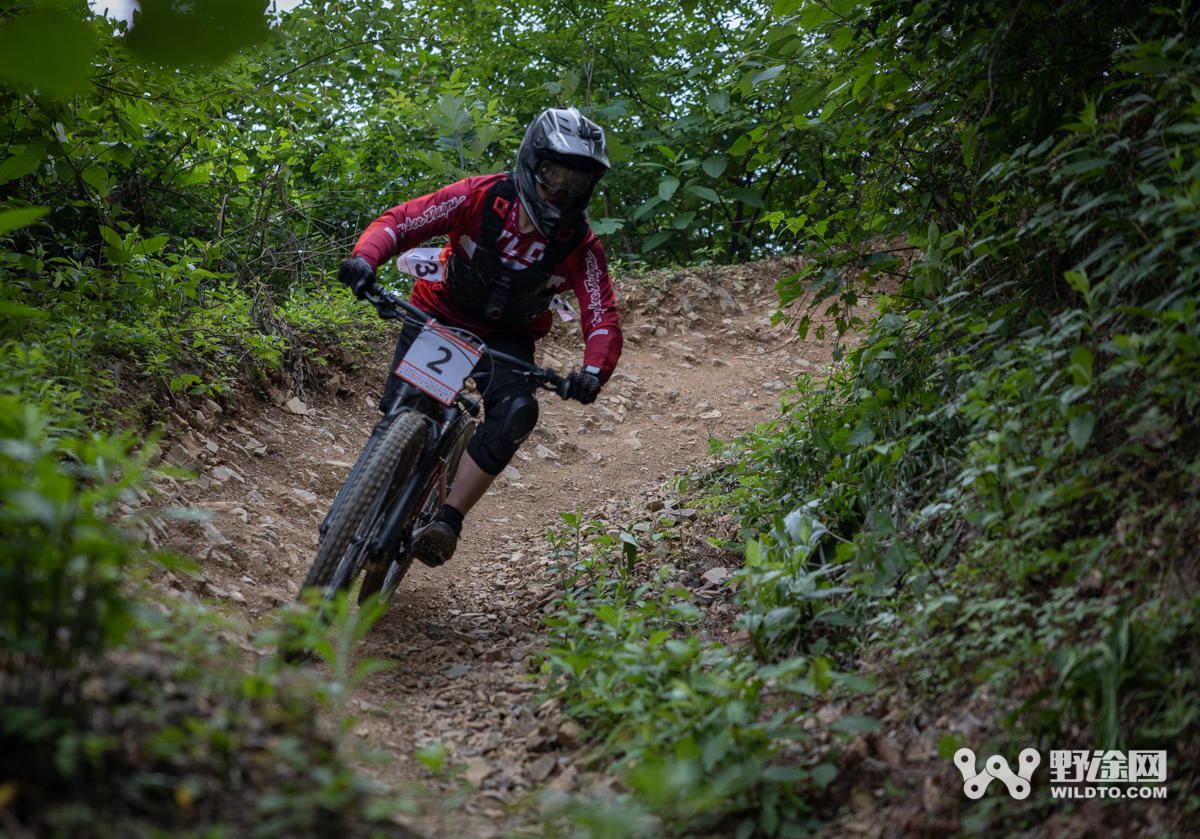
point(13, 219)
point(617, 149)
point(753, 553)
point(704, 192)
point(686, 610)
point(117, 256)
point(16, 310)
point(682, 220)
point(152, 245)
point(48, 49)
point(823, 774)
point(667, 187)
point(646, 207)
point(1080, 430)
point(629, 545)
point(656, 239)
point(784, 774)
point(714, 166)
point(857, 724)
point(864, 435)
point(804, 100)
point(970, 138)
point(97, 177)
point(1078, 280)
point(855, 684)
point(718, 101)
point(766, 75)
point(606, 226)
point(433, 756)
point(747, 196)
point(109, 235)
point(948, 744)
point(833, 617)
point(1082, 363)
point(200, 32)
point(740, 145)
point(19, 165)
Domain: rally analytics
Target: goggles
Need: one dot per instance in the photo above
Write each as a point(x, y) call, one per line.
point(561, 180)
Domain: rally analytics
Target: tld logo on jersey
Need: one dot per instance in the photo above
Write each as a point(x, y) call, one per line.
point(975, 784)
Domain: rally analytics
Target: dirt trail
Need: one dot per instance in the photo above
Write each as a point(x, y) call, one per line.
point(699, 360)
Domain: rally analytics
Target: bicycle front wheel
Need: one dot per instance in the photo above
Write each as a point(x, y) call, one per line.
point(388, 575)
point(349, 529)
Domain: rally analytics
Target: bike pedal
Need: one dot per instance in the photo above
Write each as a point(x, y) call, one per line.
point(429, 558)
point(428, 550)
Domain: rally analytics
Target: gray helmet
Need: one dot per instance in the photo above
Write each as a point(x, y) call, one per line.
point(565, 152)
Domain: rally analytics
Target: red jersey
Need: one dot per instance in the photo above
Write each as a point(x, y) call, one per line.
point(457, 211)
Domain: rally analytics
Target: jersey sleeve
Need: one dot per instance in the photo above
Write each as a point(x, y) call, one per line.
point(413, 222)
point(598, 311)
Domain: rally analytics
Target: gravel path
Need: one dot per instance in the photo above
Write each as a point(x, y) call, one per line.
point(700, 360)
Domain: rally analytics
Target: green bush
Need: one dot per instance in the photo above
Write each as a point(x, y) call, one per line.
point(123, 712)
point(995, 494)
point(61, 565)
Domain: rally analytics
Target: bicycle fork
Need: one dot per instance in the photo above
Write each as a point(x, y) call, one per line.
point(397, 408)
point(388, 539)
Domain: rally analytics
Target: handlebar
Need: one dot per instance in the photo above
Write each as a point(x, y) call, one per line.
point(391, 306)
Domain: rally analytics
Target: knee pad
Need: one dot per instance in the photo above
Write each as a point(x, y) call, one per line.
point(507, 424)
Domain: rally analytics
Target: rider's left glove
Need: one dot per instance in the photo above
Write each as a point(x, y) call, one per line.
point(582, 387)
point(358, 274)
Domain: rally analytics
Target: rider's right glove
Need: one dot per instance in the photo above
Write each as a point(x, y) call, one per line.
point(358, 274)
point(582, 387)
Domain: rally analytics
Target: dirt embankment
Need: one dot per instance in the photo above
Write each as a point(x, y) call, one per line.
point(701, 359)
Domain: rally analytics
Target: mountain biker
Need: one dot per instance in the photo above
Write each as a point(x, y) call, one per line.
point(515, 240)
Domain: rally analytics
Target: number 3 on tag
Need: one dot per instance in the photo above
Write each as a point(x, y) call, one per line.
point(438, 362)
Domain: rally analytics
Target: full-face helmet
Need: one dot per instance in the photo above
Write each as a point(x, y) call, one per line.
point(564, 152)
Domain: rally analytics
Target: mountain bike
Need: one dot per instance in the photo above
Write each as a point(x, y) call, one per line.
point(408, 465)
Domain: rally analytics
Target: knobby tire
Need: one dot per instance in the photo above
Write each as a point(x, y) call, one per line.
point(399, 447)
point(374, 579)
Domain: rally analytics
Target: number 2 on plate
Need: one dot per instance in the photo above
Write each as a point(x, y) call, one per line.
point(438, 362)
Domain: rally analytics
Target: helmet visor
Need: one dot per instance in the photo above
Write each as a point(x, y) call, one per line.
point(560, 180)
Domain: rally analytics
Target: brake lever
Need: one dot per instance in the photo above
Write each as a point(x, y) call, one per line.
point(387, 303)
point(548, 380)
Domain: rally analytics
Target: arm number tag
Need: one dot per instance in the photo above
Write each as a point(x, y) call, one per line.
point(423, 264)
point(438, 362)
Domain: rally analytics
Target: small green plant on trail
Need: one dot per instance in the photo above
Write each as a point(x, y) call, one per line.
point(703, 733)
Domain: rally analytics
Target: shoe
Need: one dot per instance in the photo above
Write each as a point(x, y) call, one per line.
point(435, 543)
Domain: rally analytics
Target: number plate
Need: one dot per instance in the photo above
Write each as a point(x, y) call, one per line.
point(438, 362)
point(422, 263)
point(562, 308)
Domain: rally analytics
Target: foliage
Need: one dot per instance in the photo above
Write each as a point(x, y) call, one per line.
point(994, 493)
point(60, 568)
point(703, 734)
point(1004, 468)
point(115, 705)
point(994, 436)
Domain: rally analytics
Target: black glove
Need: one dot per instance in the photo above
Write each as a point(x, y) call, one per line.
point(582, 387)
point(358, 274)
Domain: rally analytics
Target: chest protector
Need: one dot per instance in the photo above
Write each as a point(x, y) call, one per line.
point(487, 290)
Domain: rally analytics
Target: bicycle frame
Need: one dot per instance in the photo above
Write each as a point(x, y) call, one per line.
point(392, 537)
